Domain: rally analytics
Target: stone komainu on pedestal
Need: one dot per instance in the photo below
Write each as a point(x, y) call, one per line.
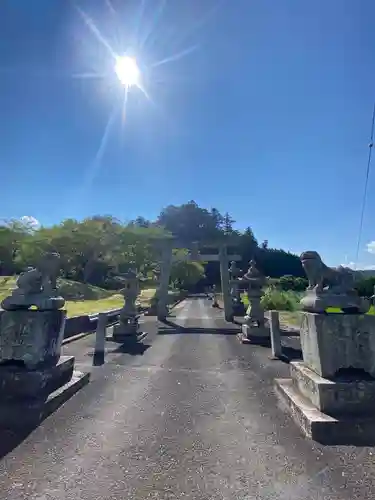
point(329, 287)
point(34, 379)
point(331, 393)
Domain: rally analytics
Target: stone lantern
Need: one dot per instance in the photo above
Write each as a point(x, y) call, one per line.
point(255, 328)
point(128, 327)
point(235, 289)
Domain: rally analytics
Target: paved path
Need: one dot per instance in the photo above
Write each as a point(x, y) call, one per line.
point(193, 417)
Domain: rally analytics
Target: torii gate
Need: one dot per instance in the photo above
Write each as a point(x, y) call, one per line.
point(167, 259)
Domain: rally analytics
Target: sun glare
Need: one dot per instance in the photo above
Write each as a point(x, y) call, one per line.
point(127, 71)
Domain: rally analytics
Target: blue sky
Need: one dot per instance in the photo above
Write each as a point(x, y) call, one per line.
point(261, 108)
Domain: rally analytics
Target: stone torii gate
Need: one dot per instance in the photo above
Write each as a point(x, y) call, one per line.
point(167, 259)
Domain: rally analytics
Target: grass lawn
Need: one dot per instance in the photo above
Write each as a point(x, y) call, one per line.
point(81, 307)
point(81, 298)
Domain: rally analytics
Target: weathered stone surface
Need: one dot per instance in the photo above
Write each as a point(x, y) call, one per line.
point(126, 329)
point(17, 382)
point(27, 413)
point(122, 338)
point(331, 395)
point(331, 342)
point(31, 336)
point(319, 302)
point(338, 398)
point(321, 427)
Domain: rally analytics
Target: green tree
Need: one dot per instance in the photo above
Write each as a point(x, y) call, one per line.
point(276, 263)
point(227, 224)
point(13, 233)
point(186, 274)
point(189, 223)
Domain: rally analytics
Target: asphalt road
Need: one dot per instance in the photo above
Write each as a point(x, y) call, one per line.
point(191, 416)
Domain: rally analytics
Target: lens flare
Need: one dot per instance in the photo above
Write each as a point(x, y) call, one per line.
point(127, 71)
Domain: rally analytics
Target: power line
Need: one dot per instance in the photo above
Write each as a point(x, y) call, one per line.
point(371, 144)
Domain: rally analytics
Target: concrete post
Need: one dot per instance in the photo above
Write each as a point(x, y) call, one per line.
point(275, 334)
point(165, 271)
point(98, 358)
point(224, 274)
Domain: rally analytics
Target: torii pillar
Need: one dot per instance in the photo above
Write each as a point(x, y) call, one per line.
point(224, 275)
point(165, 272)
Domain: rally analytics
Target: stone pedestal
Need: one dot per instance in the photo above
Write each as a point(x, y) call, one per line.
point(256, 328)
point(319, 301)
point(28, 396)
point(34, 381)
point(127, 331)
point(32, 337)
point(331, 394)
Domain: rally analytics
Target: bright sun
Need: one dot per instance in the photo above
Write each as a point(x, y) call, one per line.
point(127, 71)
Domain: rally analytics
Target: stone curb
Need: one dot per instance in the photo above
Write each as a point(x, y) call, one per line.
point(76, 337)
point(92, 319)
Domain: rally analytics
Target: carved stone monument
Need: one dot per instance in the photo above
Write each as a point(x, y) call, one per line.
point(34, 379)
point(256, 328)
point(128, 328)
point(331, 393)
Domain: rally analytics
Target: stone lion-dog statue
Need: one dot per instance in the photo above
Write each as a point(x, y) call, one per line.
point(338, 280)
point(37, 286)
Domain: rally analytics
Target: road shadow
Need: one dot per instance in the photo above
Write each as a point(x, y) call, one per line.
point(136, 349)
point(168, 327)
point(289, 354)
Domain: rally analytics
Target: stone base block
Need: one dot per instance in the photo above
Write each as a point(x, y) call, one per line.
point(122, 338)
point(18, 382)
point(255, 335)
point(23, 414)
point(334, 397)
point(348, 302)
point(358, 431)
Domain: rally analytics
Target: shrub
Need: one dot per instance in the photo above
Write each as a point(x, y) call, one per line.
point(365, 286)
point(289, 282)
point(280, 300)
